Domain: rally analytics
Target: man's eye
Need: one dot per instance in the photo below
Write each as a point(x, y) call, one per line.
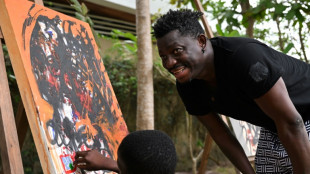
point(178, 50)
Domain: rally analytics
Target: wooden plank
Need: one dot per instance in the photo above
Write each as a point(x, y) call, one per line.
point(205, 155)
point(10, 152)
point(208, 140)
point(205, 23)
point(21, 124)
point(1, 170)
point(21, 117)
point(24, 87)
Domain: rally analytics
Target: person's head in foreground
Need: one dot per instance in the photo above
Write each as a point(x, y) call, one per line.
point(182, 44)
point(147, 152)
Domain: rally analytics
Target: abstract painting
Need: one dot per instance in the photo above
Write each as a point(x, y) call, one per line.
point(74, 99)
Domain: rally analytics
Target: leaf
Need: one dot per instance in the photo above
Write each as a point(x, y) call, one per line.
point(299, 16)
point(279, 9)
point(77, 8)
point(126, 35)
point(84, 9)
point(76, 2)
point(173, 2)
point(245, 22)
point(288, 48)
point(295, 22)
point(80, 16)
point(269, 4)
point(88, 20)
point(256, 10)
point(130, 36)
point(200, 143)
point(219, 30)
point(131, 48)
point(234, 33)
point(290, 15)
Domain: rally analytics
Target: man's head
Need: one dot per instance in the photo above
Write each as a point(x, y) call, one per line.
point(182, 45)
point(185, 21)
point(147, 152)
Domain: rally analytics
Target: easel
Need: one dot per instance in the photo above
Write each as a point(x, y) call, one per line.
point(10, 149)
point(12, 132)
point(208, 140)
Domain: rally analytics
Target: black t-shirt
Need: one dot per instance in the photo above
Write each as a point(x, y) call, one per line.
point(246, 69)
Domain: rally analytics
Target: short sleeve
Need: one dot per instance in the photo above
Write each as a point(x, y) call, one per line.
point(195, 97)
point(255, 69)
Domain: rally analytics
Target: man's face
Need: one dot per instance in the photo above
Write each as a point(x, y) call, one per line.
point(181, 56)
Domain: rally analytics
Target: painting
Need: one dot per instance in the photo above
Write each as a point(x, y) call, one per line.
point(73, 96)
point(247, 134)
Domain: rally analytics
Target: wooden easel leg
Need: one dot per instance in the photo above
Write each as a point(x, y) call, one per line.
point(21, 124)
point(205, 155)
point(9, 146)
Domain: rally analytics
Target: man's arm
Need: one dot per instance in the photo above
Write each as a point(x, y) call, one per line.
point(93, 160)
point(277, 104)
point(227, 142)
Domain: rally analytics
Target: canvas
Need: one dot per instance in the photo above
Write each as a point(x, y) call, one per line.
point(75, 105)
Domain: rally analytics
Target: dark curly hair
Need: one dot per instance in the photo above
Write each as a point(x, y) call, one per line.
point(148, 152)
point(184, 20)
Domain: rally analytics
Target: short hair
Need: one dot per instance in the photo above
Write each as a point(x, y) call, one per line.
point(148, 152)
point(183, 20)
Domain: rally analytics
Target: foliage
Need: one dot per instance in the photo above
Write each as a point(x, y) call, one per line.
point(121, 66)
point(282, 24)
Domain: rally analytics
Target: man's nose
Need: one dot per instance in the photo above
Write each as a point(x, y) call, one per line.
point(170, 62)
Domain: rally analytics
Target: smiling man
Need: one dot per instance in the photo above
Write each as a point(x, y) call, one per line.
point(244, 79)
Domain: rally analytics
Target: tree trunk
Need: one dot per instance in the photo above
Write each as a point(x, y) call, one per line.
point(281, 43)
point(245, 6)
point(145, 94)
point(302, 46)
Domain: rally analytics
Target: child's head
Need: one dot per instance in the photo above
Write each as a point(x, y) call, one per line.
point(147, 152)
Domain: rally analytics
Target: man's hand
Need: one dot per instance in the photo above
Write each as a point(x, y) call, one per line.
point(93, 160)
point(227, 142)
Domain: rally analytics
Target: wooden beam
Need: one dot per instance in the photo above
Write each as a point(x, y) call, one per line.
point(205, 23)
point(205, 155)
point(25, 92)
point(208, 140)
point(21, 117)
point(9, 146)
point(1, 172)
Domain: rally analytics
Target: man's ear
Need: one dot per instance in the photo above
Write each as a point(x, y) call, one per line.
point(202, 39)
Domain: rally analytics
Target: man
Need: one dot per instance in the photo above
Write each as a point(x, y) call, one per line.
point(244, 79)
point(140, 152)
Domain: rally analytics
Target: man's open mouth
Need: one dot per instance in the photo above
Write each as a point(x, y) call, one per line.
point(177, 70)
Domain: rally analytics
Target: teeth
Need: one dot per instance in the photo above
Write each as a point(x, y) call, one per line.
point(178, 71)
